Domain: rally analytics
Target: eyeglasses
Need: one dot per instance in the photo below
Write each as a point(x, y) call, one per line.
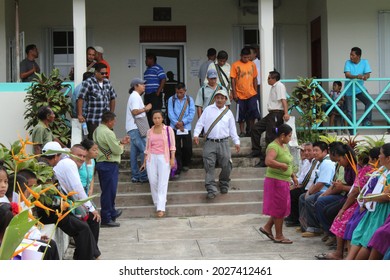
point(104, 73)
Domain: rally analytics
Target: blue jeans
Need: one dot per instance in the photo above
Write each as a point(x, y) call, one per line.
point(363, 98)
point(137, 148)
point(323, 204)
point(108, 173)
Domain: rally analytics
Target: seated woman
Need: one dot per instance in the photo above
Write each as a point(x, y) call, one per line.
point(380, 241)
point(378, 209)
point(339, 224)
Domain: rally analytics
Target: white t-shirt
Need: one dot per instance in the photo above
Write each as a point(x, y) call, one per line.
point(277, 93)
point(134, 102)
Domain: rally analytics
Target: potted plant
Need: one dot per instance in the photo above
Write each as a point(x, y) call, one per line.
point(49, 91)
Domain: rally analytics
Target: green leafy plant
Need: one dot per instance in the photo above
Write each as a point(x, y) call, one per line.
point(310, 101)
point(49, 91)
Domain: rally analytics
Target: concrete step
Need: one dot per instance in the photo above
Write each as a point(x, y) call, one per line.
point(186, 185)
point(186, 197)
point(209, 208)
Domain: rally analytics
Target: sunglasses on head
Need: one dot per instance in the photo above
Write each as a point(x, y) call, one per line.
point(104, 73)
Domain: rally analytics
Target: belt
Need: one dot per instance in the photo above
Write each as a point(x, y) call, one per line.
point(217, 140)
point(276, 111)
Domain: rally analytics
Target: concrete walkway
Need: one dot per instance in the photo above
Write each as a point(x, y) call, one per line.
point(201, 238)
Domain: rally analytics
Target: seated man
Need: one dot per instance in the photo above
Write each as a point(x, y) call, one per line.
point(306, 177)
point(67, 174)
point(323, 179)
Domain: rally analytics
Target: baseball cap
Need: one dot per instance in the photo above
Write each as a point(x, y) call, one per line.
point(211, 73)
point(136, 81)
point(99, 49)
point(222, 92)
point(52, 146)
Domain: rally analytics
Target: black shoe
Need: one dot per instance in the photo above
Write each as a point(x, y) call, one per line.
point(110, 224)
point(118, 214)
point(144, 181)
point(292, 224)
point(133, 180)
point(242, 134)
point(185, 168)
point(253, 155)
point(224, 190)
point(210, 195)
point(260, 164)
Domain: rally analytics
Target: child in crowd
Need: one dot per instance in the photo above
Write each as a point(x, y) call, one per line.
point(335, 117)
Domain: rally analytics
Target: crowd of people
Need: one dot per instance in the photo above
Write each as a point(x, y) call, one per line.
point(335, 193)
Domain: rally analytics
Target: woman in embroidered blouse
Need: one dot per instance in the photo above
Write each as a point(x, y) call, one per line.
point(276, 198)
point(378, 209)
point(159, 159)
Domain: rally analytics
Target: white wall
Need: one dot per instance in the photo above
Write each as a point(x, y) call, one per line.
point(12, 117)
point(354, 23)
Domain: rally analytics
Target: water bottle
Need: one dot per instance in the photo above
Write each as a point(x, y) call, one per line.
point(85, 129)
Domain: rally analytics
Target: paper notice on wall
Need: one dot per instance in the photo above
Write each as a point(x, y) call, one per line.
point(194, 67)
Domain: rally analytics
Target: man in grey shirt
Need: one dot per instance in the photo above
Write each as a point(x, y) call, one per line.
point(28, 66)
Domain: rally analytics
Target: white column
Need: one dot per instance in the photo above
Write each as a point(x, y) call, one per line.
point(80, 46)
point(3, 43)
point(266, 29)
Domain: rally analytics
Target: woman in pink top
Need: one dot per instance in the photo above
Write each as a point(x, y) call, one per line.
point(159, 158)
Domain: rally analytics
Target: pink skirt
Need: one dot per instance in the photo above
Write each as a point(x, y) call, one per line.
point(339, 224)
point(276, 198)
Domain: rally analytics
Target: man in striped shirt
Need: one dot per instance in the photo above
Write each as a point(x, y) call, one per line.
point(155, 78)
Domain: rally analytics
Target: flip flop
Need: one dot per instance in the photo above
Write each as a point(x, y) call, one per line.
point(324, 256)
point(283, 241)
point(269, 235)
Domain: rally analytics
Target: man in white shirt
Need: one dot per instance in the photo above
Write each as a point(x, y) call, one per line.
point(306, 176)
point(219, 124)
point(254, 58)
point(66, 171)
point(136, 110)
point(277, 114)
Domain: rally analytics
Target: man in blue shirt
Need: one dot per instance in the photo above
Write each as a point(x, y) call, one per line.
point(155, 78)
point(357, 68)
point(181, 112)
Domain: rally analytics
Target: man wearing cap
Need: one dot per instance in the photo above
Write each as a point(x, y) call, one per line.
point(223, 71)
point(107, 167)
point(181, 112)
point(99, 59)
point(244, 89)
point(155, 78)
point(66, 171)
point(136, 110)
point(211, 54)
point(206, 93)
point(219, 124)
point(99, 95)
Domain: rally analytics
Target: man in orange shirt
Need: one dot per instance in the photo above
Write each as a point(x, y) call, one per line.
point(244, 88)
point(99, 59)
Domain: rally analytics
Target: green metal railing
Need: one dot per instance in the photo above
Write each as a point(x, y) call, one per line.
point(354, 123)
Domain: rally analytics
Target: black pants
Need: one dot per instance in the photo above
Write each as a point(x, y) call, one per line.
point(91, 128)
point(156, 102)
point(86, 248)
point(183, 150)
point(51, 252)
point(267, 125)
point(294, 196)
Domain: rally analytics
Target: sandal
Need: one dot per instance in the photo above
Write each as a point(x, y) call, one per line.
point(325, 256)
point(160, 214)
point(269, 235)
point(283, 241)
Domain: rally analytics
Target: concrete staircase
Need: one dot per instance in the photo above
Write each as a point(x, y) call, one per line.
point(187, 195)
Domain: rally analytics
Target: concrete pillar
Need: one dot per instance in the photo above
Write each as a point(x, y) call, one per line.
point(80, 41)
point(80, 46)
point(3, 43)
point(266, 29)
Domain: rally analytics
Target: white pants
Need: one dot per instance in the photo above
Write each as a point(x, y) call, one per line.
point(158, 173)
